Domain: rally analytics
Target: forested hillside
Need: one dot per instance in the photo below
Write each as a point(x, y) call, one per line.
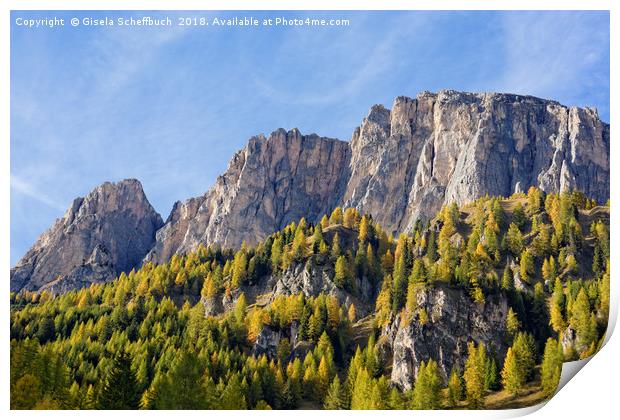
point(327, 315)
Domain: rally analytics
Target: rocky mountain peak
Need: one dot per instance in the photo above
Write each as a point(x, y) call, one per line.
point(270, 182)
point(457, 146)
point(100, 235)
point(401, 165)
point(379, 115)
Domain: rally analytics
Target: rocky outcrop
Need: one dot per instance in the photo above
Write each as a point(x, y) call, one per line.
point(569, 340)
point(312, 278)
point(453, 320)
point(267, 342)
point(269, 339)
point(101, 235)
point(401, 165)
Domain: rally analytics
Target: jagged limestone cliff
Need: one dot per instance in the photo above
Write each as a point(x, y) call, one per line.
point(455, 147)
point(401, 165)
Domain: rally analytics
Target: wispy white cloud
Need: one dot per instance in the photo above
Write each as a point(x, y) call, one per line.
point(332, 85)
point(28, 189)
point(550, 52)
point(378, 62)
point(119, 56)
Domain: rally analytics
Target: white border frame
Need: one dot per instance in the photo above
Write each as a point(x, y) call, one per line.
point(593, 395)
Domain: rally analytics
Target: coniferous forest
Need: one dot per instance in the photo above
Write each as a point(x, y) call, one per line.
point(225, 329)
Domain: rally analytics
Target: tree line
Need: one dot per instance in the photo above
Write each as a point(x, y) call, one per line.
point(145, 336)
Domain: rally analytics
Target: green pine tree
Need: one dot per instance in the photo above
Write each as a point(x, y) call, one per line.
point(184, 386)
point(474, 375)
point(232, 397)
point(524, 350)
point(317, 239)
point(514, 240)
point(507, 279)
point(580, 320)
point(334, 398)
point(341, 276)
point(455, 387)
point(121, 389)
point(512, 322)
point(512, 376)
point(526, 265)
point(551, 368)
point(427, 388)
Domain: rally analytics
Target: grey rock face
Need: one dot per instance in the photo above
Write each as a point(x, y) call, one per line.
point(401, 165)
point(107, 232)
point(454, 320)
point(569, 340)
point(309, 279)
point(313, 279)
point(268, 184)
point(267, 342)
point(213, 305)
point(269, 338)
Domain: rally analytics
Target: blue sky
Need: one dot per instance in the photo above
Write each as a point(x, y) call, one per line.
point(170, 106)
